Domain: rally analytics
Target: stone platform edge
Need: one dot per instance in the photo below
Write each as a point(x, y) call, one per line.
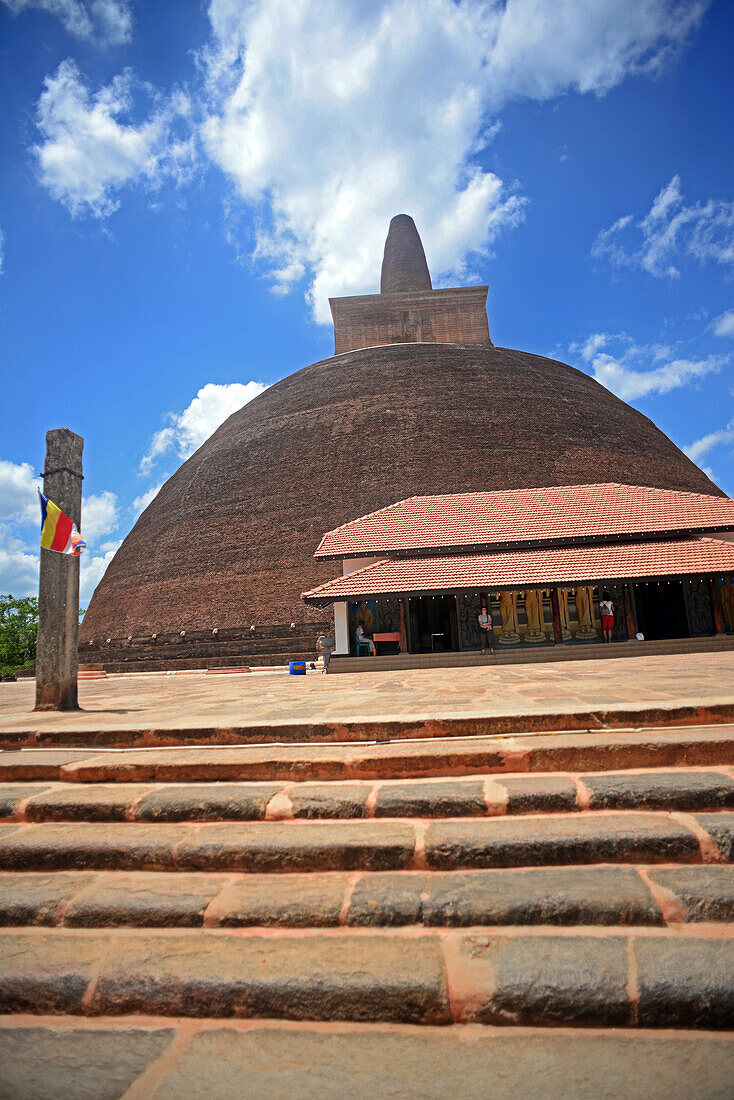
point(377, 729)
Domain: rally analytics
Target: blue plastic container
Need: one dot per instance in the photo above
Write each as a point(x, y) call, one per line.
point(296, 668)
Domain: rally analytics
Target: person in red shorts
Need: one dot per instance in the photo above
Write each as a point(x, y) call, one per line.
point(607, 616)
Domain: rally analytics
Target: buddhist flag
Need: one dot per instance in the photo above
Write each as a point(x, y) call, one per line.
point(58, 532)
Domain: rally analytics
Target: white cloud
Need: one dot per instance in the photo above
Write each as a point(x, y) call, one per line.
point(141, 503)
point(706, 443)
point(335, 116)
point(670, 232)
point(189, 429)
point(2, 251)
point(109, 22)
point(18, 493)
point(724, 325)
point(100, 515)
point(640, 370)
point(18, 569)
point(87, 154)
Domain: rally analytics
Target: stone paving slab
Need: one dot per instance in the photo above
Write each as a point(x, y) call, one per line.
point(609, 979)
point(336, 706)
point(56, 1059)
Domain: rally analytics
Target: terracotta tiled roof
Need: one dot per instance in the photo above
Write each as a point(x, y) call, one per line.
point(569, 512)
point(545, 566)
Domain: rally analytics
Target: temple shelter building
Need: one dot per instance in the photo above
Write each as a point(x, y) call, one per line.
point(416, 574)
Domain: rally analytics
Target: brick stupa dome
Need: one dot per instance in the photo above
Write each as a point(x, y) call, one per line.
point(434, 407)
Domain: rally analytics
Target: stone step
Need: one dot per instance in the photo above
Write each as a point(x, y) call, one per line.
point(58, 1057)
point(472, 796)
point(386, 844)
point(642, 723)
point(409, 757)
point(654, 895)
point(643, 978)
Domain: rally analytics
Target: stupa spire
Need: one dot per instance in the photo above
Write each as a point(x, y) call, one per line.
point(404, 266)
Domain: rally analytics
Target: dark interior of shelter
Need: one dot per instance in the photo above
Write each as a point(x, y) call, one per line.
point(433, 624)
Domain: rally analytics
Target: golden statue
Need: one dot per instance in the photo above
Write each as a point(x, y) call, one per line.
point(533, 598)
point(584, 599)
point(563, 609)
point(508, 614)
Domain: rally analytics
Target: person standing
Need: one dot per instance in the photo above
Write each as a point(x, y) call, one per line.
point(606, 607)
point(486, 629)
point(325, 644)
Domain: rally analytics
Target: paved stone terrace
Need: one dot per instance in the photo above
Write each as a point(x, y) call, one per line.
point(197, 700)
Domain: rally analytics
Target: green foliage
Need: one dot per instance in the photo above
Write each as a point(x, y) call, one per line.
point(18, 632)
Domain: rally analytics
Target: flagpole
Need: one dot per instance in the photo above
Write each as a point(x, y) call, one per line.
point(58, 584)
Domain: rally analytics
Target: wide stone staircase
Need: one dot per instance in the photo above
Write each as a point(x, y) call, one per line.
point(540, 916)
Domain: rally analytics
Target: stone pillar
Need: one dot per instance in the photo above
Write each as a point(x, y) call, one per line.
point(628, 613)
point(58, 586)
point(716, 606)
point(341, 628)
point(556, 610)
point(403, 627)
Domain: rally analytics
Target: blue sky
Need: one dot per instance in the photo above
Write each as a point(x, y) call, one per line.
point(183, 184)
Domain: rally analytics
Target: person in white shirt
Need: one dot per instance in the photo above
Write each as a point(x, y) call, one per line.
point(364, 640)
point(606, 607)
point(486, 630)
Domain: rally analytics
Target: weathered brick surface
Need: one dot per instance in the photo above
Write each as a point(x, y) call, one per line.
point(47, 973)
point(539, 794)
point(721, 827)
point(438, 799)
point(11, 794)
point(328, 800)
point(162, 901)
point(313, 978)
point(108, 802)
point(205, 802)
point(295, 846)
point(295, 901)
point(685, 982)
point(540, 980)
point(591, 838)
point(676, 790)
point(706, 893)
point(31, 898)
point(179, 567)
point(540, 895)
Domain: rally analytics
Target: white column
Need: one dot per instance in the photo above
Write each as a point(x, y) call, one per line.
point(341, 628)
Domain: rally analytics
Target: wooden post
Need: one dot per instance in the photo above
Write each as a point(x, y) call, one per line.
point(58, 585)
point(628, 613)
point(716, 605)
point(403, 628)
point(556, 611)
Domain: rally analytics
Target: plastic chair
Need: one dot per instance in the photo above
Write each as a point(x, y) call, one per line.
point(360, 646)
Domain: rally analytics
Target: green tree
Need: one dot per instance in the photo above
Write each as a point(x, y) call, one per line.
point(18, 632)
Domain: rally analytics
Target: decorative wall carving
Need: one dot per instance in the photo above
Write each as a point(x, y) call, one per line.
point(467, 613)
point(698, 607)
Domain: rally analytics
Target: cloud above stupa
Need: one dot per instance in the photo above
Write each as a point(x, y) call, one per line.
point(328, 118)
